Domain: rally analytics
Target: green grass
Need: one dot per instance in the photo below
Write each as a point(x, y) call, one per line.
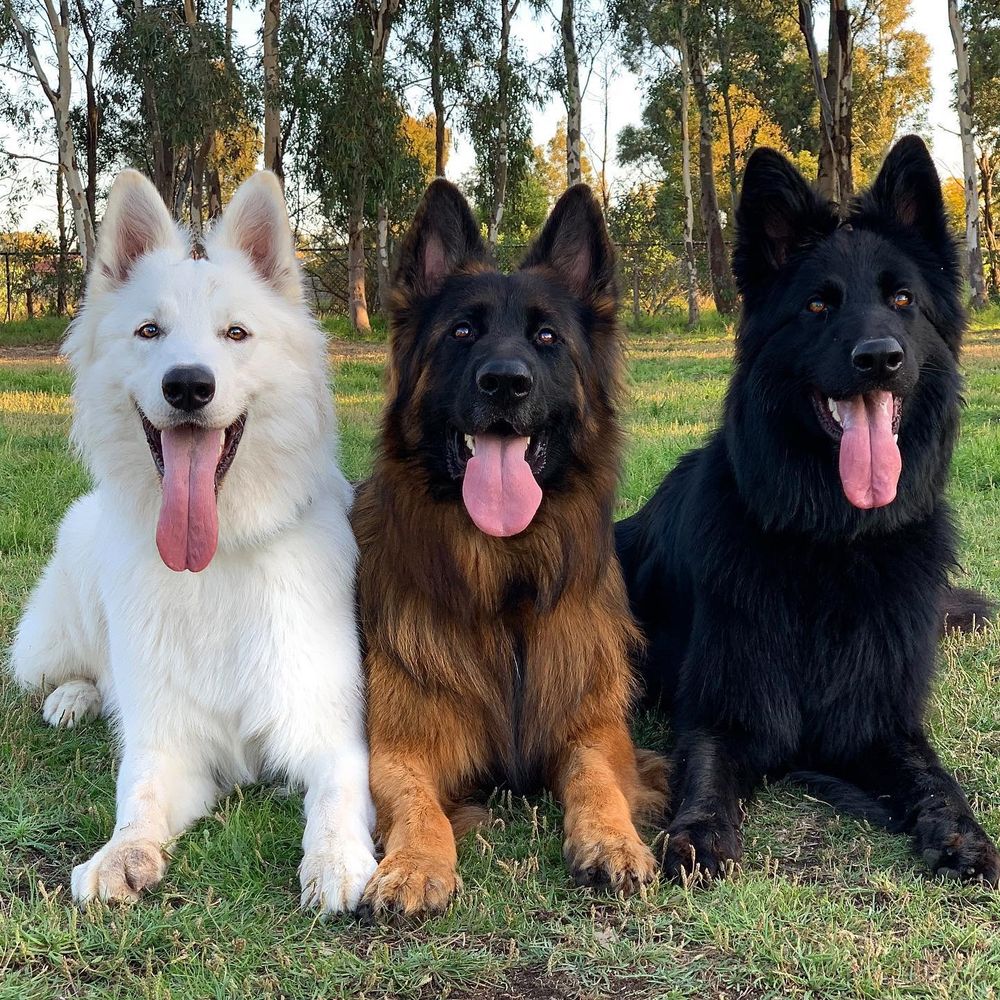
point(47, 331)
point(824, 906)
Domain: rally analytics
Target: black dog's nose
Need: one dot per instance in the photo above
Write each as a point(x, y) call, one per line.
point(880, 356)
point(188, 387)
point(504, 378)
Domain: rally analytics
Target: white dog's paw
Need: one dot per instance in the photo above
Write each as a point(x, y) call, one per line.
point(72, 703)
point(333, 881)
point(119, 871)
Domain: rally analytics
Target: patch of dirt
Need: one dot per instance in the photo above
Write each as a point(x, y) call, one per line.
point(32, 352)
point(357, 350)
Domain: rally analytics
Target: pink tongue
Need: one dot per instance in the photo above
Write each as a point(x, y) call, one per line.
point(869, 457)
point(188, 531)
point(499, 491)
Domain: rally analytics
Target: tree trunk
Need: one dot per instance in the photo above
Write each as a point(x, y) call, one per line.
point(987, 173)
point(826, 180)
point(272, 90)
point(574, 113)
point(723, 288)
point(382, 245)
point(694, 312)
point(973, 251)
point(63, 273)
point(357, 304)
point(437, 87)
point(838, 84)
point(501, 162)
point(92, 118)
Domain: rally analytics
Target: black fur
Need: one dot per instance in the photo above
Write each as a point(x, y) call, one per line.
point(788, 629)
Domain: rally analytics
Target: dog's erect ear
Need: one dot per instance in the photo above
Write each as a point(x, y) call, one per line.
point(907, 193)
point(443, 236)
point(255, 223)
point(778, 214)
point(135, 223)
point(575, 244)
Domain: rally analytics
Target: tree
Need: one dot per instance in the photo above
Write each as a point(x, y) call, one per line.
point(53, 30)
point(974, 258)
point(273, 140)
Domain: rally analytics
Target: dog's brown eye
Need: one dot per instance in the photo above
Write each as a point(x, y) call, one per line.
point(545, 337)
point(462, 332)
point(148, 331)
point(237, 333)
point(816, 306)
point(902, 299)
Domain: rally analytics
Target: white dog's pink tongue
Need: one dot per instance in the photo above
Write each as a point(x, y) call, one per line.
point(869, 456)
point(188, 530)
point(500, 493)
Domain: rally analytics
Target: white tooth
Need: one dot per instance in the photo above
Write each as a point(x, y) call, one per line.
point(470, 443)
point(895, 438)
point(835, 413)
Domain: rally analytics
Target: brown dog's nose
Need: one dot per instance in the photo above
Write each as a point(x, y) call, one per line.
point(504, 379)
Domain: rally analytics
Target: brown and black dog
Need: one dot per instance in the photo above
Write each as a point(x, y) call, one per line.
point(495, 619)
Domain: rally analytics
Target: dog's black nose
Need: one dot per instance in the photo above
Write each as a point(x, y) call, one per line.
point(188, 387)
point(881, 357)
point(505, 379)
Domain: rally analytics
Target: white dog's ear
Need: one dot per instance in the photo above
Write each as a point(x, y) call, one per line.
point(256, 223)
point(135, 223)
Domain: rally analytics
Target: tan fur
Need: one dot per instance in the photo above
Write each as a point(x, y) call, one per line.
point(444, 610)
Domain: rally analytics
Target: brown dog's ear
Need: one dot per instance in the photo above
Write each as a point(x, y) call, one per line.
point(575, 244)
point(443, 236)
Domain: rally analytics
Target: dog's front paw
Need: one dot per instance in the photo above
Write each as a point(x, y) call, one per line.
point(119, 871)
point(409, 885)
point(701, 851)
point(620, 862)
point(72, 703)
point(957, 847)
point(333, 881)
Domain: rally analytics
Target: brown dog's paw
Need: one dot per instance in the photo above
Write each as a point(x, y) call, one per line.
point(119, 871)
point(409, 886)
point(700, 851)
point(617, 861)
point(957, 847)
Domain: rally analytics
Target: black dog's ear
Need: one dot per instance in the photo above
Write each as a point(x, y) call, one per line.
point(575, 244)
point(443, 236)
point(778, 214)
point(907, 193)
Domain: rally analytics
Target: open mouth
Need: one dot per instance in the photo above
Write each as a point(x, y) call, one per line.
point(866, 428)
point(499, 470)
point(830, 412)
point(192, 462)
point(231, 441)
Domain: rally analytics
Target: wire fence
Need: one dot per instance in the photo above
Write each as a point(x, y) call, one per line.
point(38, 283)
point(652, 278)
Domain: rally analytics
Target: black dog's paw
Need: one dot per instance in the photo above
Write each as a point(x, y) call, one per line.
point(957, 847)
point(696, 852)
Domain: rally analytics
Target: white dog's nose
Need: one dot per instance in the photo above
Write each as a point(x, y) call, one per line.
point(188, 387)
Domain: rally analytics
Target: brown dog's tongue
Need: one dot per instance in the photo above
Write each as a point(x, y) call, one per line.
point(188, 530)
point(500, 493)
point(870, 463)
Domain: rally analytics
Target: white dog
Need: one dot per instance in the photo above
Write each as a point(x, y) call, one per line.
point(203, 411)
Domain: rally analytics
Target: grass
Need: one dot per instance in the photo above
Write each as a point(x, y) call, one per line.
point(824, 907)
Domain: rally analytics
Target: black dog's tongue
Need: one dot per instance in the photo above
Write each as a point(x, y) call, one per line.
point(870, 463)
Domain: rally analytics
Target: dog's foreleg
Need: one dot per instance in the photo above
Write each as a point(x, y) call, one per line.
point(418, 875)
point(925, 801)
point(338, 854)
point(711, 774)
point(593, 779)
point(161, 793)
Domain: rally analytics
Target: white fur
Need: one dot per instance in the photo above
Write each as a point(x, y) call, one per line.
point(250, 668)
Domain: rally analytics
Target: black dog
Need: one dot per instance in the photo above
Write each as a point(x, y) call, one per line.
point(790, 574)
